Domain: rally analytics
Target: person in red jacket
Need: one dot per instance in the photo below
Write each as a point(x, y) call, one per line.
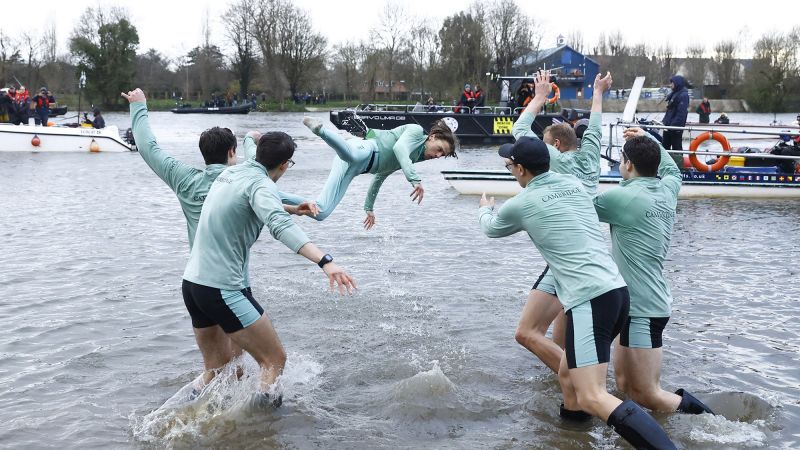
point(467, 101)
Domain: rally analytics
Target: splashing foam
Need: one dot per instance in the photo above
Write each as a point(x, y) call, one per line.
point(719, 430)
point(192, 414)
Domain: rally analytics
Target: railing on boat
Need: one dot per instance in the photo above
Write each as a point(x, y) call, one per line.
point(436, 109)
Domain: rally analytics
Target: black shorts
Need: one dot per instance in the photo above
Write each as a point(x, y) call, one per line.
point(592, 327)
point(546, 282)
point(643, 332)
point(231, 310)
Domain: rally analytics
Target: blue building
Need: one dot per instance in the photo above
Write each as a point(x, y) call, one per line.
point(574, 71)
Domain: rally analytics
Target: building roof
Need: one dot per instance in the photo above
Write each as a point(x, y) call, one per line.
point(534, 57)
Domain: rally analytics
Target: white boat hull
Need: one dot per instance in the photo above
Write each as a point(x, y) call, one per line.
point(20, 138)
point(503, 184)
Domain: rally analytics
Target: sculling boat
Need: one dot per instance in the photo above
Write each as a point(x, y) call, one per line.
point(26, 138)
point(241, 109)
point(749, 182)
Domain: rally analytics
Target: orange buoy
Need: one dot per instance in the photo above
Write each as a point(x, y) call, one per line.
point(36, 141)
point(94, 147)
point(556, 94)
point(721, 161)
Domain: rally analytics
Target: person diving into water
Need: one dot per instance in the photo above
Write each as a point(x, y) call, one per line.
point(381, 153)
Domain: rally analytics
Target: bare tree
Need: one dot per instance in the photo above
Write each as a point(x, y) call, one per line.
point(239, 30)
point(725, 64)
point(9, 55)
point(31, 46)
point(511, 32)
point(300, 50)
point(424, 46)
point(49, 44)
point(696, 64)
point(390, 35)
point(665, 58)
point(576, 41)
point(775, 65)
point(346, 60)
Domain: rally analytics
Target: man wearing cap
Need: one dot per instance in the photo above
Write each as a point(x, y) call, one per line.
point(42, 104)
point(641, 212)
point(467, 101)
point(98, 121)
point(559, 217)
point(542, 306)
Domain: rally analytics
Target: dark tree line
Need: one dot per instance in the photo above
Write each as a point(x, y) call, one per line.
point(271, 47)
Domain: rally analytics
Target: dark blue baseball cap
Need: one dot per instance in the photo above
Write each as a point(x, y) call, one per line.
point(531, 153)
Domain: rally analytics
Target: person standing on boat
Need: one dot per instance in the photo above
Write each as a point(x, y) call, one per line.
point(41, 104)
point(8, 106)
point(242, 201)
point(641, 213)
point(542, 306)
point(677, 110)
point(480, 96)
point(559, 217)
point(382, 153)
point(704, 111)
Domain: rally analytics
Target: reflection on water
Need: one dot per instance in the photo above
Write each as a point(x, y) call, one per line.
point(98, 350)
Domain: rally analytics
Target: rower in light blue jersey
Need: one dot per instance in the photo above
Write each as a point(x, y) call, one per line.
point(641, 213)
point(382, 153)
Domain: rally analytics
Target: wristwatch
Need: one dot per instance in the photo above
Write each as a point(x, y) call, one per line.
point(325, 260)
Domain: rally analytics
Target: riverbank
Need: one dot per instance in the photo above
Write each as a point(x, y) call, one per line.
point(609, 105)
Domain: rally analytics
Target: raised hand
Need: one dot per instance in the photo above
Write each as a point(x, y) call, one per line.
point(541, 83)
point(629, 133)
point(135, 95)
point(602, 84)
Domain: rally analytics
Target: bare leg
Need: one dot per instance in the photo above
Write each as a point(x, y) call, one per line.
point(567, 390)
point(589, 383)
point(215, 348)
point(638, 373)
point(560, 329)
point(537, 315)
point(261, 341)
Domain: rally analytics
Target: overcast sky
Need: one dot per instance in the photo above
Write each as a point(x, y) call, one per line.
point(174, 27)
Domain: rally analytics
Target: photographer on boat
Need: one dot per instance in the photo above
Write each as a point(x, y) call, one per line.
point(99, 122)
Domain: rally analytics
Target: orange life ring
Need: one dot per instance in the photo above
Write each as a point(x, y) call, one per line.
point(556, 94)
point(721, 161)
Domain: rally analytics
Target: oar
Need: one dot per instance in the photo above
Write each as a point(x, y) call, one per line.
point(709, 129)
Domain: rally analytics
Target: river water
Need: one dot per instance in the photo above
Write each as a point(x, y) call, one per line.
point(96, 347)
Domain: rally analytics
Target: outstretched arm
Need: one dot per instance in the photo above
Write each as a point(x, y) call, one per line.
point(169, 169)
point(506, 222)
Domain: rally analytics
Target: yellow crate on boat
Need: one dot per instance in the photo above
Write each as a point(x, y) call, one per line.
point(736, 161)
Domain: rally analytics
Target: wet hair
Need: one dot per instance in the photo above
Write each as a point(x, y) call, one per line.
point(644, 154)
point(440, 130)
point(274, 148)
point(564, 133)
point(215, 143)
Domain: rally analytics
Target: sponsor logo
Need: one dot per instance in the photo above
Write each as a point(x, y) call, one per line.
point(561, 194)
point(666, 215)
point(223, 180)
point(199, 198)
point(379, 117)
